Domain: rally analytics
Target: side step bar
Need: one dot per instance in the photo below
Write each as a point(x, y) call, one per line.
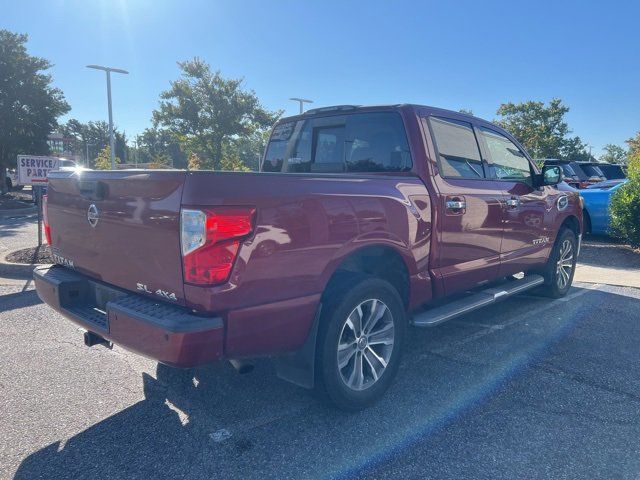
point(474, 301)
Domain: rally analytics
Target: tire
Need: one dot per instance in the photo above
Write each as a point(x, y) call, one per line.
point(558, 277)
point(359, 310)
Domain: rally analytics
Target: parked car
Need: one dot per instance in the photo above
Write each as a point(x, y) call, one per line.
point(597, 199)
point(364, 221)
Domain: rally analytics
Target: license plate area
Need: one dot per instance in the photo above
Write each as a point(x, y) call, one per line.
point(88, 300)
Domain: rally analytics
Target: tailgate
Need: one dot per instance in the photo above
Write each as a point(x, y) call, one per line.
point(121, 227)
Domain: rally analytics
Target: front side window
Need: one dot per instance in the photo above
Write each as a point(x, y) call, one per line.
point(508, 162)
point(458, 152)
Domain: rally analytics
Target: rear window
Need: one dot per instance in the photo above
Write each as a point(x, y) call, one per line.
point(612, 171)
point(592, 170)
point(568, 171)
point(364, 142)
point(581, 174)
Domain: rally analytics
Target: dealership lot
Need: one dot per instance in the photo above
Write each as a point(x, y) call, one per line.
point(529, 387)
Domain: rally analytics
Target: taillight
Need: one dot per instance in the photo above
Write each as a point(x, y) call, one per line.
point(45, 219)
point(210, 240)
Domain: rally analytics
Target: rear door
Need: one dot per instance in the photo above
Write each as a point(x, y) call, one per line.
point(120, 227)
point(469, 208)
point(527, 210)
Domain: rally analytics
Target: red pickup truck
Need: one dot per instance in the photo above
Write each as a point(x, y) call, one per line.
point(363, 222)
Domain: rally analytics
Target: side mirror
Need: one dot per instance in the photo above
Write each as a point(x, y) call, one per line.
point(551, 175)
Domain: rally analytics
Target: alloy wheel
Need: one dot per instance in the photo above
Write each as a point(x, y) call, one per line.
point(565, 264)
point(365, 344)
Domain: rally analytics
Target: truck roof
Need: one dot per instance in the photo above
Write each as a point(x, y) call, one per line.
point(334, 109)
point(422, 109)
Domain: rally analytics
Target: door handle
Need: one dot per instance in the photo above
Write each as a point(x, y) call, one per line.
point(456, 204)
point(513, 203)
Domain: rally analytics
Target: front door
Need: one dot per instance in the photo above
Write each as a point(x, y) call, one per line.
point(469, 209)
point(526, 210)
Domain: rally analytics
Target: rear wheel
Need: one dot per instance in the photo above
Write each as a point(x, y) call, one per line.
point(360, 342)
point(562, 265)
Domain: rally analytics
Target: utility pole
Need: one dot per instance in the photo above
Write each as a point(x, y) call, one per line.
point(302, 101)
point(112, 143)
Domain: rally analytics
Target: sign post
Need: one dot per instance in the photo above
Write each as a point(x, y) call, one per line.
point(33, 170)
point(39, 201)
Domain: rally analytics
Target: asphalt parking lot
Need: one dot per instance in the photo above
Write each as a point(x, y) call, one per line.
point(528, 388)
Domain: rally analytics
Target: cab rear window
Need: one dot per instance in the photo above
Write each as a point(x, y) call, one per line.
point(361, 142)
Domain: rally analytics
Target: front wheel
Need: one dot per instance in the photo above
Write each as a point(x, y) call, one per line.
point(360, 342)
point(562, 265)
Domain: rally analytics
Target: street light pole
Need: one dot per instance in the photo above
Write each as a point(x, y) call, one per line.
point(112, 146)
point(301, 101)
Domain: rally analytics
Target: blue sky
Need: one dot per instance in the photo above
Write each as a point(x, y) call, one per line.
point(451, 54)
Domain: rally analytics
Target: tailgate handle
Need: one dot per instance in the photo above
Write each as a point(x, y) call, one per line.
point(93, 189)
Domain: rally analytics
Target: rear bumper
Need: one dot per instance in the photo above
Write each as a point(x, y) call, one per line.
point(167, 333)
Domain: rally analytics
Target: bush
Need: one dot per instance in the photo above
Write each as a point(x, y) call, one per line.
point(625, 206)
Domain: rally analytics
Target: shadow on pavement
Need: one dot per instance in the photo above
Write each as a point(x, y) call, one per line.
point(11, 226)
point(12, 301)
point(461, 397)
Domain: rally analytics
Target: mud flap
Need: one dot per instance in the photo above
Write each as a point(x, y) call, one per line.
point(299, 367)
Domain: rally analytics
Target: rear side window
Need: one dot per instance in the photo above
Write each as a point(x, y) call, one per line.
point(377, 143)
point(458, 152)
point(363, 142)
point(508, 162)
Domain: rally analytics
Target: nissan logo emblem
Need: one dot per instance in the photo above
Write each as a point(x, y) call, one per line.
point(92, 215)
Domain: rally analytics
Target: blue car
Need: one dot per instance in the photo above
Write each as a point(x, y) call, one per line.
point(596, 205)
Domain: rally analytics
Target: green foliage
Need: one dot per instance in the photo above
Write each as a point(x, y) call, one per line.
point(29, 105)
point(156, 142)
point(194, 162)
point(209, 113)
point(634, 145)
point(542, 129)
point(103, 162)
point(94, 135)
point(466, 111)
point(613, 154)
point(575, 151)
point(625, 205)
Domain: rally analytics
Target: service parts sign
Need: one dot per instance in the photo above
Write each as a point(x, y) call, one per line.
point(33, 170)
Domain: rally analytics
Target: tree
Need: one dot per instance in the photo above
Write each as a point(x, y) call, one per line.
point(194, 162)
point(29, 105)
point(93, 136)
point(103, 162)
point(574, 150)
point(613, 154)
point(208, 112)
point(634, 145)
point(625, 203)
point(466, 111)
point(155, 142)
point(541, 129)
